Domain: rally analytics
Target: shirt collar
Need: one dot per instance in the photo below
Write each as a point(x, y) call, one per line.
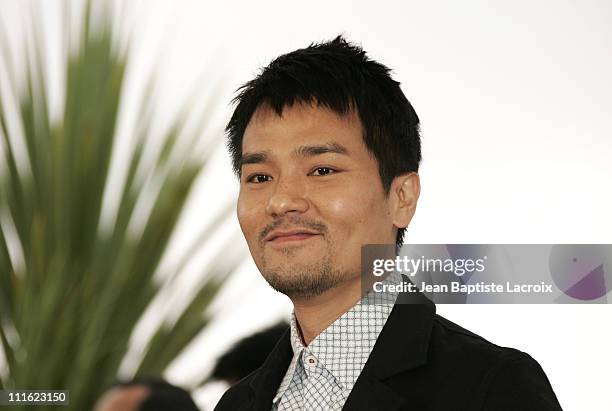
point(351, 336)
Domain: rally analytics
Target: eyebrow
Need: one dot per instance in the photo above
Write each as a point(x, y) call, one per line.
point(301, 151)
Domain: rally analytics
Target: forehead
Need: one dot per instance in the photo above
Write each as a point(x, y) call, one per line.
point(298, 124)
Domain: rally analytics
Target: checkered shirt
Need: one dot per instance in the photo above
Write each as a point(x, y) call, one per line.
point(321, 375)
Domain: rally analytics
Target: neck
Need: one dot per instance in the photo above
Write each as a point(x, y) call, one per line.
point(317, 313)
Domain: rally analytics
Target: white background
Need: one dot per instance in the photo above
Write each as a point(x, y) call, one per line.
point(515, 100)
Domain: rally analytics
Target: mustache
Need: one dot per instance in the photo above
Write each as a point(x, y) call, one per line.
point(292, 223)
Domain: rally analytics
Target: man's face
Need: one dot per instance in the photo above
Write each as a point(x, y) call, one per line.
point(310, 197)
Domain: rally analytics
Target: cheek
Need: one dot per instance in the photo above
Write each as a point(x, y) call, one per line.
point(349, 213)
point(357, 213)
point(247, 218)
point(346, 210)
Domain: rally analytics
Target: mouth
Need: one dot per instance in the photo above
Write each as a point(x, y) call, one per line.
point(294, 236)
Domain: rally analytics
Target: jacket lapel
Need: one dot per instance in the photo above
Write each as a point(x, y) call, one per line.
point(268, 378)
point(402, 345)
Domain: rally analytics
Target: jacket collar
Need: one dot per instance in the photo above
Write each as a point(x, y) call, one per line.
point(268, 378)
point(402, 345)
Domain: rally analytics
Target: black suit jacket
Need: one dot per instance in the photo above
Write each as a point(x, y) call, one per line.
point(421, 361)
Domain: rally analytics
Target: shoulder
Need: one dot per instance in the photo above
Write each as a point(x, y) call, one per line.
point(459, 347)
point(235, 396)
point(496, 377)
point(450, 339)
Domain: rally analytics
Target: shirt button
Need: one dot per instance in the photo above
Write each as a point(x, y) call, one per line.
point(311, 361)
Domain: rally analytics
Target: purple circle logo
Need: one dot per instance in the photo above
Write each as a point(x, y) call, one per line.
point(581, 271)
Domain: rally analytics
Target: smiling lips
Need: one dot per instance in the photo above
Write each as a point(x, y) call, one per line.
point(277, 237)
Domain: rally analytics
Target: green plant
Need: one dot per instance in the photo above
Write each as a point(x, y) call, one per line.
point(71, 290)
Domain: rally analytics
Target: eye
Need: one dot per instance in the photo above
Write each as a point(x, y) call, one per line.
point(323, 171)
point(258, 178)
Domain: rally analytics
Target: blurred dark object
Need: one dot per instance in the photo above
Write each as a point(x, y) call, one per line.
point(247, 354)
point(146, 394)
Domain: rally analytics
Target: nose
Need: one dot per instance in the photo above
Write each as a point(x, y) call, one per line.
point(288, 196)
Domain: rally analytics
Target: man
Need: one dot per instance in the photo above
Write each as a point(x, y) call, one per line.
point(145, 394)
point(327, 149)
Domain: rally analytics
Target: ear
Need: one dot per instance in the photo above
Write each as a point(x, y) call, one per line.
point(404, 192)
